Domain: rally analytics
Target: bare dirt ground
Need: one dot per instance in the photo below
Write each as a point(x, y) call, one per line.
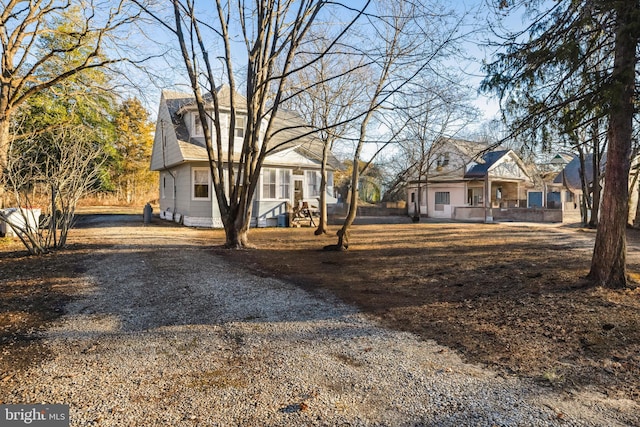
point(508, 296)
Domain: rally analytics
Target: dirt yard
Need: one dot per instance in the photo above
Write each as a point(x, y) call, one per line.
point(507, 296)
point(503, 295)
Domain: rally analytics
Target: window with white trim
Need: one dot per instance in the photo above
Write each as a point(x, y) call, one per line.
point(268, 183)
point(313, 184)
point(201, 187)
point(443, 160)
point(284, 184)
point(197, 125)
point(442, 198)
point(241, 124)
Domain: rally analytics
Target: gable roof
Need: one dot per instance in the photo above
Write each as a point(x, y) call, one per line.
point(470, 149)
point(500, 164)
point(561, 159)
point(570, 175)
point(290, 131)
point(479, 170)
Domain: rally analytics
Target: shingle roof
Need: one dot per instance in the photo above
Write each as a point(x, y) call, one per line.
point(470, 149)
point(291, 131)
point(479, 170)
point(175, 101)
point(570, 175)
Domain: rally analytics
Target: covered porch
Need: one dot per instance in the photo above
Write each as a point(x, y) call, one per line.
point(498, 193)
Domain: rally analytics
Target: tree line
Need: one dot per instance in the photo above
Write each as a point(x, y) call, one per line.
point(64, 132)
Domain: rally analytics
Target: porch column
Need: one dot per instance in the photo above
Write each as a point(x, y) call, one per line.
point(488, 212)
point(426, 199)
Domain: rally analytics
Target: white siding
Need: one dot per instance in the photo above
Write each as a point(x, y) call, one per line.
point(165, 146)
point(457, 197)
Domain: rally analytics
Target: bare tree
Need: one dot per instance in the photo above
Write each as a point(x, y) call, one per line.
point(326, 93)
point(29, 66)
point(272, 33)
point(56, 174)
point(410, 40)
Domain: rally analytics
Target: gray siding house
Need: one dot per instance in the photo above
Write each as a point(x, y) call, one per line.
point(290, 174)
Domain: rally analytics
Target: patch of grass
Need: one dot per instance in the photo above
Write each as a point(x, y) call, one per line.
point(218, 378)
point(553, 377)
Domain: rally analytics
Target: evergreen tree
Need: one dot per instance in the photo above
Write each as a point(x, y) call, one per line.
point(43, 45)
point(575, 64)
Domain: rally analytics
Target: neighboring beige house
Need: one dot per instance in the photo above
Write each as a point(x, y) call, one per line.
point(468, 180)
point(472, 182)
point(290, 175)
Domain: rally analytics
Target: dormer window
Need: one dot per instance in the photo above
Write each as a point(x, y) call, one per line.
point(240, 126)
point(443, 160)
point(197, 125)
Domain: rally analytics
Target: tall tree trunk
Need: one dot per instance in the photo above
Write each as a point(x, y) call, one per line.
point(322, 223)
point(236, 226)
point(595, 164)
point(236, 236)
point(4, 155)
point(4, 141)
point(416, 212)
point(343, 233)
point(586, 204)
point(608, 265)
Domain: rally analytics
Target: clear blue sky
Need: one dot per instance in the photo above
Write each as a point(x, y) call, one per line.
point(169, 71)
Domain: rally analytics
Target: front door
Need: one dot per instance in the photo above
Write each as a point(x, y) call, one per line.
point(534, 199)
point(298, 193)
point(474, 196)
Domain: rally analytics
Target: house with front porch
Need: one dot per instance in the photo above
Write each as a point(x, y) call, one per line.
point(290, 175)
point(470, 181)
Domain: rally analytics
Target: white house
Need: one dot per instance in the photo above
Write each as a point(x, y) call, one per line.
point(466, 180)
point(290, 174)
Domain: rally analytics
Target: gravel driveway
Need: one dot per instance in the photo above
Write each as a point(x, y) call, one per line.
point(164, 333)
